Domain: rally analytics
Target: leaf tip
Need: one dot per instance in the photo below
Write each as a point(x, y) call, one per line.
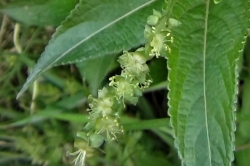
point(20, 93)
point(24, 88)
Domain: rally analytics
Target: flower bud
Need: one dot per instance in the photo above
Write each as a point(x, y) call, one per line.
point(152, 20)
point(173, 23)
point(157, 13)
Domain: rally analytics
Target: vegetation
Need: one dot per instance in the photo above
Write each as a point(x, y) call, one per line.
point(133, 83)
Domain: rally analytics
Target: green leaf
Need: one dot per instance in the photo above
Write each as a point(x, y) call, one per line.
point(10, 113)
point(39, 12)
point(242, 155)
point(6, 157)
point(72, 101)
point(203, 77)
point(158, 71)
point(144, 158)
point(43, 115)
point(86, 33)
point(95, 70)
point(159, 86)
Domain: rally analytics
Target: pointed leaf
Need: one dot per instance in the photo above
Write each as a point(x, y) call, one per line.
point(203, 79)
point(105, 28)
point(39, 12)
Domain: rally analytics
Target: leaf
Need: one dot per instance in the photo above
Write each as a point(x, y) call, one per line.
point(71, 102)
point(242, 156)
point(6, 157)
point(9, 113)
point(144, 158)
point(43, 115)
point(39, 12)
point(202, 75)
point(158, 71)
point(95, 70)
point(159, 86)
point(96, 28)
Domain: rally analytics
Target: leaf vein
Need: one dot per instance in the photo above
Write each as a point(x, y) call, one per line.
point(204, 79)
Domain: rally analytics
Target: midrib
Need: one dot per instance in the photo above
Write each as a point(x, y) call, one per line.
point(204, 80)
point(99, 30)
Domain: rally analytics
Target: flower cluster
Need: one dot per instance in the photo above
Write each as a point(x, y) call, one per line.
point(125, 88)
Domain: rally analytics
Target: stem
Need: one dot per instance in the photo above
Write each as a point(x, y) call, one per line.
point(16, 38)
point(30, 41)
point(34, 95)
point(2, 30)
point(243, 147)
point(147, 124)
point(164, 20)
point(19, 50)
point(170, 5)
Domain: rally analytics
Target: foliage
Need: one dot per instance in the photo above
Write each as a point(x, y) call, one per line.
point(138, 116)
point(206, 85)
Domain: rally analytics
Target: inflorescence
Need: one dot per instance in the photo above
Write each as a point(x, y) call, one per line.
point(123, 89)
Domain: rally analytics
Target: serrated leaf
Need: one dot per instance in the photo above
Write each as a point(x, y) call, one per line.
point(106, 28)
point(203, 79)
point(39, 12)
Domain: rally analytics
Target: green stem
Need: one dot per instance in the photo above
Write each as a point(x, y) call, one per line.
point(147, 124)
point(162, 22)
point(16, 38)
point(19, 50)
point(34, 95)
point(3, 28)
point(243, 147)
point(170, 5)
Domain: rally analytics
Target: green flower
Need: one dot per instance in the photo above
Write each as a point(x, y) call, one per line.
point(101, 106)
point(80, 157)
point(157, 44)
point(134, 65)
point(108, 127)
point(81, 154)
point(124, 88)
